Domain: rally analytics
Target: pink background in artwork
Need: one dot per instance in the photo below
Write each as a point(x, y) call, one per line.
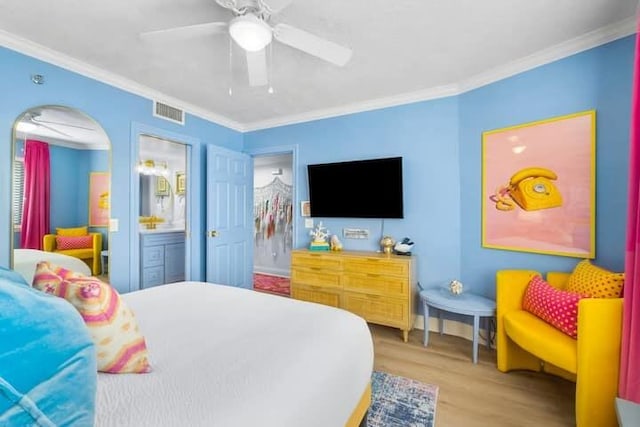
point(564, 146)
point(99, 184)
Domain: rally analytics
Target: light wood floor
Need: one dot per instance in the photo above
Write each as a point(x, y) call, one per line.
point(474, 395)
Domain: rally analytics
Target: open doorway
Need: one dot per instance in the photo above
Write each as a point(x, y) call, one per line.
point(163, 173)
point(273, 197)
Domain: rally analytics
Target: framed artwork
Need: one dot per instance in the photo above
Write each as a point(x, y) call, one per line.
point(99, 199)
point(162, 186)
point(538, 186)
point(305, 208)
point(181, 184)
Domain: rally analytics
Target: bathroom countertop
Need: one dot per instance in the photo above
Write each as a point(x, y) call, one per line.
point(162, 230)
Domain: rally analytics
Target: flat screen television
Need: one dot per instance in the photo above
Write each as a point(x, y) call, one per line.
point(357, 189)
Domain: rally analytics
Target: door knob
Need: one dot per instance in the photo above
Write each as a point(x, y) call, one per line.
point(213, 233)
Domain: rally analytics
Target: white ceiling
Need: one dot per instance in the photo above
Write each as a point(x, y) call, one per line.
point(62, 126)
point(404, 50)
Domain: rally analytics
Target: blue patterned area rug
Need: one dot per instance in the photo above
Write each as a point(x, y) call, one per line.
point(401, 402)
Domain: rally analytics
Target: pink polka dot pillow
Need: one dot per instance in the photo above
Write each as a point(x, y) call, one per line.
point(64, 243)
point(557, 307)
point(120, 346)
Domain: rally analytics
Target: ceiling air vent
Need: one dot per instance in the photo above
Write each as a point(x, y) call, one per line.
point(168, 112)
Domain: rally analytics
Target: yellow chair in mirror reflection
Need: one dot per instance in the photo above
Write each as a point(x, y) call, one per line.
point(78, 243)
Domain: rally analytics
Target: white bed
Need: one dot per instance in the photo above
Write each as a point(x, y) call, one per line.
point(26, 260)
point(224, 356)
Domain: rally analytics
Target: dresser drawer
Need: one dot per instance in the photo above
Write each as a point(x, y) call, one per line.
point(316, 260)
point(378, 309)
point(316, 277)
point(315, 294)
point(376, 284)
point(377, 266)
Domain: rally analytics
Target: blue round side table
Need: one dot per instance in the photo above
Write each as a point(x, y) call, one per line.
point(466, 303)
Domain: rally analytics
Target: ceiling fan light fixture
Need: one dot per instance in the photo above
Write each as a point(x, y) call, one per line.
point(250, 32)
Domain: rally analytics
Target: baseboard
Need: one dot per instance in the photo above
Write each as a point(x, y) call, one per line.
point(451, 327)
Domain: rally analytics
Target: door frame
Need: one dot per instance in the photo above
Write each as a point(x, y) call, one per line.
point(284, 149)
point(191, 244)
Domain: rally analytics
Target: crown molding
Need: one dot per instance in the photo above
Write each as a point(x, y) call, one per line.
point(590, 40)
point(595, 38)
point(35, 50)
point(357, 107)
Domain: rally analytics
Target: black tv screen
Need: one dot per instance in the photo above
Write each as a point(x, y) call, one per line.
point(357, 189)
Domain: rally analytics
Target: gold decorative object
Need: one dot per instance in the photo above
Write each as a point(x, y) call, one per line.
point(336, 244)
point(181, 184)
point(150, 222)
point(387, 243)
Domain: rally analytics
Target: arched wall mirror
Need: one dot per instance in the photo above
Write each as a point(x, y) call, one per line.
point(60, 191)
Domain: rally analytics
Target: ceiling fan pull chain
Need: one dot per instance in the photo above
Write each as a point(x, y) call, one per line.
point(230, 66)
point(269, 72)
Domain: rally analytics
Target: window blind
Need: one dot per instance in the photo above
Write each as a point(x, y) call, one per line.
point(17, 194)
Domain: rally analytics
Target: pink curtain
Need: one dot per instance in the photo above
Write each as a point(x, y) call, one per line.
point(630, 358)
point(35, 210)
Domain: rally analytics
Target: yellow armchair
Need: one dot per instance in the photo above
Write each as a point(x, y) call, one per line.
point(525, 341)
point(91, 256)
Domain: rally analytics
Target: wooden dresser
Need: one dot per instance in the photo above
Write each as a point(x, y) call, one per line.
point(380, 288)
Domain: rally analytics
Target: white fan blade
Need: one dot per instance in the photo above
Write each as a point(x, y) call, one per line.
point(188, 31)
point(227, 4)
point(40, 121)
point(257, 68)
point(52, 129)
point(311, 44)
point(273, 6)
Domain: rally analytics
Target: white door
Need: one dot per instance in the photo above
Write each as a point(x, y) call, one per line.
point(229, 217)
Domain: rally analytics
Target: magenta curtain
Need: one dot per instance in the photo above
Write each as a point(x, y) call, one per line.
point(35, 210)
point(630, 358)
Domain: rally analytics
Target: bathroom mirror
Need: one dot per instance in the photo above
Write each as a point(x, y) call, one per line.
point(161, 167)
point(61, 163)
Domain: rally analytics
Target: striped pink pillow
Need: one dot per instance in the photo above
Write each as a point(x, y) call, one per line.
point(64, 243)
point(120, 346)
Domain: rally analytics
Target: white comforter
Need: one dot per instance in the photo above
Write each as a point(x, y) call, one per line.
point(224, 356)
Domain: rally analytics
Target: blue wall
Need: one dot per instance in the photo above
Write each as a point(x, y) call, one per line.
point(440, 141)
point(426, 136)
point(115, 110)
point(69, 198)
point(597, 79)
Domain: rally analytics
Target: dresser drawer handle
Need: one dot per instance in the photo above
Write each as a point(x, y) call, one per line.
point(373, 296)
point(373, 275)
point(315, 288)
point(315, 268)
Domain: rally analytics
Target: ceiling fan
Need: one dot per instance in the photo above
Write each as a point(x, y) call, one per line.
point(35, 119)
point(250, 29)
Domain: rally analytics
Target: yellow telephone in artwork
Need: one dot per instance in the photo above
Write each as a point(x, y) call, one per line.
point(531, 188)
